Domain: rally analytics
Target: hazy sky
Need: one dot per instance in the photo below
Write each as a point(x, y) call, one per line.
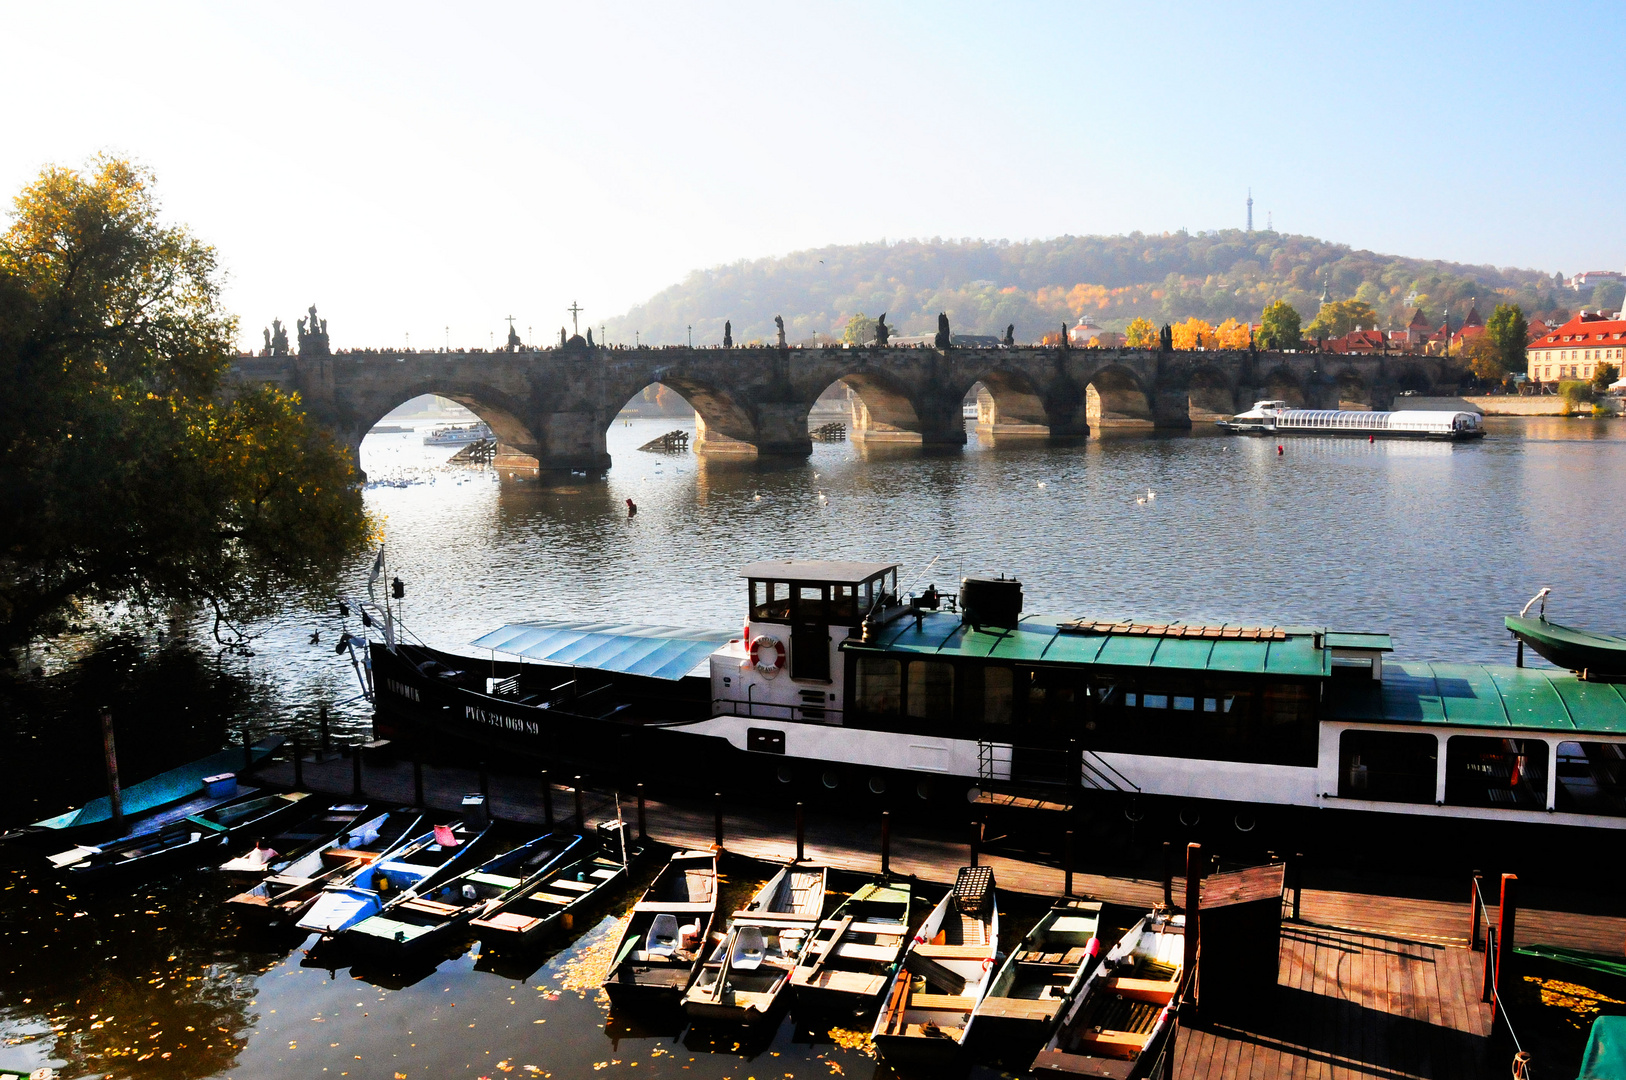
point(413, 167)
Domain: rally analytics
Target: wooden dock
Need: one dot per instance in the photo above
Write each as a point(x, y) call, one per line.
point(1378, 984)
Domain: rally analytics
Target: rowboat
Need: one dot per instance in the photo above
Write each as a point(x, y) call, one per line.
point(1122, 1014)
point(1043, 973)
point(1602, 655)
point(417, 864)
point(749, 969)
point(286, 894)
point(273, 854)
point(175, 843)
point(855, 951)
point(564, 892)
point(147, 799)
point(661, 948)
point(933, 998)
point(423, 916)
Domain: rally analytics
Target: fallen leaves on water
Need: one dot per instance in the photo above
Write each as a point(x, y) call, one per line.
point(1573, 997)
point(848, 1039)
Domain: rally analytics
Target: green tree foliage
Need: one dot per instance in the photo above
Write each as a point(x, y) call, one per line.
point(1140, 334)
point(860, 330)
point(1279, 326)
point(1485, 359)
point(1605, 374)
point(130, 475)
point(986, 285)
point(1339, 317)
point(1507, 330)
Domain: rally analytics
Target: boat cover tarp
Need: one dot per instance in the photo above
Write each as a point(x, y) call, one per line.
point(1607, 965)
point(661, 652)
point(1605, 1057)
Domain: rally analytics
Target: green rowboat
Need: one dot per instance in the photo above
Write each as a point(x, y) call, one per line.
point(1577, 650)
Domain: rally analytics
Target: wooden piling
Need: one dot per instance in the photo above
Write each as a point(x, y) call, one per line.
point(976, 841)
point(355, 770)
point(485, 786)
point(581, 815)
point(417, 779)
point(1168, 875)
point(299, 764)
point(801, 831)
point(1477, 887)
point(1504, 938)
point(1487, 981)
point(1067, 864)
point(547, 800)
point(248, 753)
point(886, 843)
point(115, 796)
point(643, 833)
point(717, 811)
point(322, 722)
point(1298, 881)
point(1194, 899)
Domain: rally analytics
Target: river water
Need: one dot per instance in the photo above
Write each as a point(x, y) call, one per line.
point(1432, 543)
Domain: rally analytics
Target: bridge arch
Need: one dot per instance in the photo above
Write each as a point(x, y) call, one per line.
point(1114, 397)
point(1009, 405)
point(517, 440)
point(722, 425)
point(1282, 384)
point(1353, 389)
point(1210, 394)
point(882, 409)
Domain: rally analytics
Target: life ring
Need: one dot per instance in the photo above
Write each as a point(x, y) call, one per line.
point(768, 655)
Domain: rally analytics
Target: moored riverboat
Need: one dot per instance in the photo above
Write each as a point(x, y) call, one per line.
point(840, 685)
point(666, 937)
point(1280, 418)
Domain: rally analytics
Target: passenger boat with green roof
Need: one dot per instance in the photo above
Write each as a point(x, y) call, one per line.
point(840, 683)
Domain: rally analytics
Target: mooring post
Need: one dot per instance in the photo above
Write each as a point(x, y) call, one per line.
point(643, 833)
point(1168, 875)
point(417, 778)
point(299, 764)
point(886, 843)
point(322, 720)
point(1487, 982)
point(547, 800)
point(1476, 885)
point(1067, 864)
point(801, 831)
point(485, 786)
point(115, 796)
point(355, 770)
point(717, 811)
point(976, 841)
point(1194, 900)
point(581, 815)
point(1504, 938)
point(1298, 882)
point(248, 754)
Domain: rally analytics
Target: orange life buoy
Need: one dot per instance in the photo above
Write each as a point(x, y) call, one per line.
point(767, 654)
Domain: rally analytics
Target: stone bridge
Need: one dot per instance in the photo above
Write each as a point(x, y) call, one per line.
point(555, 405)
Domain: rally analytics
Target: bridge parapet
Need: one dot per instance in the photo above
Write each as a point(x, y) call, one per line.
point(556, 405)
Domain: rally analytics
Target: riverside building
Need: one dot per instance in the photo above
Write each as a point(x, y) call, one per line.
point(1574, 350)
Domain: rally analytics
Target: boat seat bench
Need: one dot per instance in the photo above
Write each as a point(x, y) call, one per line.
point(430, 907)
point(499, 880)
point(946, 1002)
point(1020, 1008)
point(554, 898)
point(572, 886)
point(954, 952)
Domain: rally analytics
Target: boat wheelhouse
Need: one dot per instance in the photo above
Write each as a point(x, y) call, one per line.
point(1276, 417)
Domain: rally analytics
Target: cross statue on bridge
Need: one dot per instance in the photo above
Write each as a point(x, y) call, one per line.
point(574, 310)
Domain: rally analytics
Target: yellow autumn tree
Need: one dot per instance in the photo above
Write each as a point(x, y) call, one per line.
point(1194, 333)
point(1140, 334)
point(1231, 334)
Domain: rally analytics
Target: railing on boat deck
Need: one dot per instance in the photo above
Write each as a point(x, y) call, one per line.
point(764, 710)
point(1095, 772)
point(1497, 952)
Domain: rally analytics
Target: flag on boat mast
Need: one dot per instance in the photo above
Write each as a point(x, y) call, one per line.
point(378, 568)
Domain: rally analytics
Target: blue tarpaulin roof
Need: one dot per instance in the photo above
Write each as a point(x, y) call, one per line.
point(662, 652)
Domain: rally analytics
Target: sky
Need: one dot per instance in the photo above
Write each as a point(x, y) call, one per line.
point(420, 172)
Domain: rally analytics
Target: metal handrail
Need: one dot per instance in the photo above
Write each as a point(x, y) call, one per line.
point(1090, 755)
point(813, 714)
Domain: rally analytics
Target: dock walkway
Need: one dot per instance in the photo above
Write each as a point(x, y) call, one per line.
point(1371, 985)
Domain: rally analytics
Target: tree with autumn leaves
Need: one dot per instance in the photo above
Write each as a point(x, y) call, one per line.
point(133, 473)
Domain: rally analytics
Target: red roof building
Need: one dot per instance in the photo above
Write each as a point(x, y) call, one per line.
point(1574, 350)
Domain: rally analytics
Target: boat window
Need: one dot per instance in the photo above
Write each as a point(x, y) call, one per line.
point(996, 695)
point(841, 604)
point(878, 686)
point(810, 604)
point(1510, 774)
point(1592, 778)
point(866, 598)
point(1185, 704)
point(1391, 766)
point(1155, 701)
point(1052, 695)
point(770, 601)
point(931, 690)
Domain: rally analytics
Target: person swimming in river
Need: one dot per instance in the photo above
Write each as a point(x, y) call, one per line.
point(632, 509)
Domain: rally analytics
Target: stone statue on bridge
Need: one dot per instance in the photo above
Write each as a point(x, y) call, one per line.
point(562, 338)
point(589, 337)
point(882, 331)
point(514, 342)
point(279, 338)
point(1010, 336)
point(943, 339)
point(779, 321)
point(267, 332)
point(728, 334)
point(313, 340)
